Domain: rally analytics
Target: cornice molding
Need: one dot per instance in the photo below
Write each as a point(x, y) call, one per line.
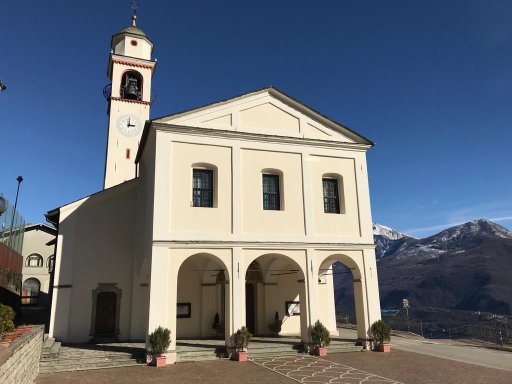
point(134, 63)
point(131, 101)
point(264, 245)
point(250, 136)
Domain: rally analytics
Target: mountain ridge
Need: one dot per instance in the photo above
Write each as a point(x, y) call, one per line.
point(465, 267)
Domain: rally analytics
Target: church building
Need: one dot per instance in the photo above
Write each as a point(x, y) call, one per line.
point(232, 211)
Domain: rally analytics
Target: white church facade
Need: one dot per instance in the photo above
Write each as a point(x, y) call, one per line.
point(237, 208)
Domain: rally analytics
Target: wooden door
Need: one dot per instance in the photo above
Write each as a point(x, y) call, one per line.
point(106, 313)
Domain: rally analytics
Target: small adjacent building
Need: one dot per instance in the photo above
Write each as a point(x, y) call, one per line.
point(233, 211)
point(38, 259)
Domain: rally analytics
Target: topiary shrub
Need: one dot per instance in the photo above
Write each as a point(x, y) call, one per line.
point(380, 332)
point(241, 339)
point(320, 335)
point(159, 341)
point(7, 315)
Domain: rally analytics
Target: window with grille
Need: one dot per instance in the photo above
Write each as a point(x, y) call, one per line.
point(271, 195)
point(202, 188)
point(331, 196)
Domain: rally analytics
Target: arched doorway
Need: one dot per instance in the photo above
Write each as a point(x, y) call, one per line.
point(202, 298)
point(30, 291)
point(274, 283)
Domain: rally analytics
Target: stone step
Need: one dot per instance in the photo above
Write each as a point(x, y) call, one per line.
point(61, 367)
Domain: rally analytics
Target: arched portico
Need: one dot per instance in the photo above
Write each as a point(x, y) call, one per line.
point(201, 295)
point(366, 295)
point(274, 283)
point(188, 287)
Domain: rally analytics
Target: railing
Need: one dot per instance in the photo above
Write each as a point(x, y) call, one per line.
point(500, 334)
point(12, 228)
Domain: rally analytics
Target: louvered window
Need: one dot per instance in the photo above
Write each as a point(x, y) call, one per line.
point(331, 196)
point(202, 188)
point(271, 195)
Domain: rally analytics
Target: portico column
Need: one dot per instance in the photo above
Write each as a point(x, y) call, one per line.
point(238, 295)
point(162, 296)
point(311, 291)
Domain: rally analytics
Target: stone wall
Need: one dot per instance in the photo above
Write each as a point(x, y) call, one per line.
point(19, 363)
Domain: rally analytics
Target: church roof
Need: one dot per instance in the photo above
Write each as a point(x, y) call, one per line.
point(274, 92)
point(132, 30)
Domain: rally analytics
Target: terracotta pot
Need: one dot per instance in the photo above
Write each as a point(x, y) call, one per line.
point(384, 347)
point(320, 351)
point(9, 336)
point(160, 361)
point(241, 356)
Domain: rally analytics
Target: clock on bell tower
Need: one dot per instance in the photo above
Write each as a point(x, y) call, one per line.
point(130, 69)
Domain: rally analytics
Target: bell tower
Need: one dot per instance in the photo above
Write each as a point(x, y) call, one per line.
point(130, 70)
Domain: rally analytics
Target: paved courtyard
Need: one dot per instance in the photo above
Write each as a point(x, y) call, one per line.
point(353, 367)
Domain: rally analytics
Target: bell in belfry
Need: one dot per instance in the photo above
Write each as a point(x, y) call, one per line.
point(131, 88)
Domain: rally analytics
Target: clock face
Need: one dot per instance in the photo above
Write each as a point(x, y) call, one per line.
point(129, 125)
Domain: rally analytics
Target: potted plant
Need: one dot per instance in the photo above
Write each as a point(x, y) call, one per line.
point(159, 341)
point(276, 326)
point(321, 338)
point(380, 332)
point(241, 340)
point(217, 326)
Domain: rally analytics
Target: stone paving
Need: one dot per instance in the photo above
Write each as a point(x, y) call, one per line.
point(309, 369)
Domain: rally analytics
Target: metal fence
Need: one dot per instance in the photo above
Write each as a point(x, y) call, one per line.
point(12, 228)
point(500, 334)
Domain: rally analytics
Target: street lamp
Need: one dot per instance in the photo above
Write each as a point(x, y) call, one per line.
point(19, 179)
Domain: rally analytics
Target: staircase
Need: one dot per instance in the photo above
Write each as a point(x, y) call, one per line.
point(50, 347)
point(259, 347)
point(79, 357)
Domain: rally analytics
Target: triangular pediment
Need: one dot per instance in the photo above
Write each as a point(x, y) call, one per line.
point(268, 112)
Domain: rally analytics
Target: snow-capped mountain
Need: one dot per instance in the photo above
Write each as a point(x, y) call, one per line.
point(465, 267)
point(387, 240)
point(388, 233)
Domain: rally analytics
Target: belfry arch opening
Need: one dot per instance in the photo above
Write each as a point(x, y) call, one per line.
point(202, 298)
point(274, 283)
point(131, 85)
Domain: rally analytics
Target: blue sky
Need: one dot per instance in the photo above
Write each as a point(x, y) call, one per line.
point(429, 82)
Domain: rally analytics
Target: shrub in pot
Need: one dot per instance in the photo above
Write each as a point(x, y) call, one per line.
point(321, 338)
point(276, 325)
point(159, 341)
point(241, 340)
point(381, 334)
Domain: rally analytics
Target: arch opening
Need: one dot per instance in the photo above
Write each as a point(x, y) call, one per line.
point(339, 283)
point(202, 297)
point(30, 291)
point(274, 283)
point(131, 85)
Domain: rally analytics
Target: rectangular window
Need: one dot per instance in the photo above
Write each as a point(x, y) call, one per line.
point(271, 195)
point(202, 188)
point(331, 196)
